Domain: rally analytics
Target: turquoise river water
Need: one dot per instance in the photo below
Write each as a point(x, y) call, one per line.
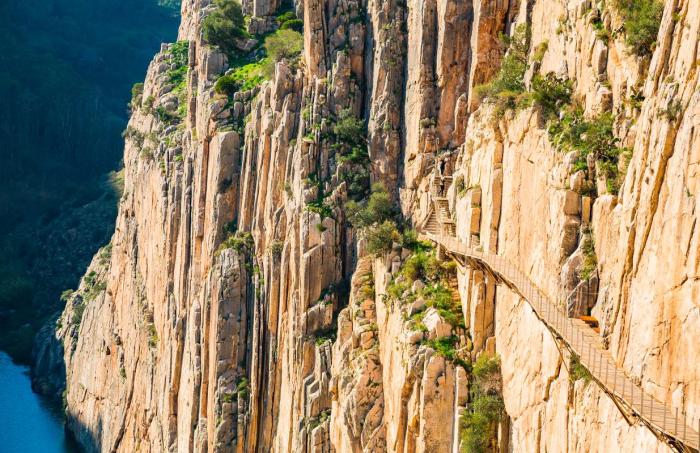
point(28, 423)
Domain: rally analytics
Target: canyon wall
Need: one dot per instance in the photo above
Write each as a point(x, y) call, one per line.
point(236, 309)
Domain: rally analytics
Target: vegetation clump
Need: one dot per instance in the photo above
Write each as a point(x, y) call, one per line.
point(480, 420)
point(240, 241)
point(447, 348)
point(506, 89)
point(578, 371)
point(350, 143)
point(314, 422)
point(243, 388)
point(225, 26)
point(250, 73)
point(276, 249)
point(284, 44)
point(424, 266)
point(590, 260)
point(136, 95)
point(289, 21)
point(379, 221)
point(642, 19)
point(551, 93)
point(590, 136)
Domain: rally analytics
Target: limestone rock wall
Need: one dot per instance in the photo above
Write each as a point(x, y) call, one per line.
point(221, 319)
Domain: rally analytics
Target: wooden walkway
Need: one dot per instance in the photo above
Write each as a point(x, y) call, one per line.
point(584, 342)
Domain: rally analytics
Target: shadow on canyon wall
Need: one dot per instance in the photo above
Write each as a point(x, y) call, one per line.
point(65, 75)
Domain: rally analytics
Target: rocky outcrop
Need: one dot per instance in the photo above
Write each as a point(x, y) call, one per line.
point(238, 310)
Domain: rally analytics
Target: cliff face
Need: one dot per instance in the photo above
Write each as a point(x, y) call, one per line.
point(236, 310)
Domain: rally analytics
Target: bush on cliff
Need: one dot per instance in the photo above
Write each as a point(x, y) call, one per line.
point(551, 93)
point(642, 19)
point(284, 44)
point(225, 26)
point(505, 90)
point(480, 420)
point(376, 210)
point(379, 221)
point(575, 132)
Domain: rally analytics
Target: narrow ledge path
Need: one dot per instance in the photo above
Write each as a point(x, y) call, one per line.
point(580, 339)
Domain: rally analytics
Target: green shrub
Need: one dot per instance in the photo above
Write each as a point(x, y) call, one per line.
point(381, 237)
point(241, 241)
point(276, 248)
point(505, 89)
point(243, 388)
point(284, 44)
point(224, 26)
point(314, 422)
point(350, 129)
point(350, 144)
point(165, 116)
point(66, 295)
point(540, 51)
point(136, 94)
point(227, 85)
point(594, 136)
point(152, 335)
point(446, 347)
point(378, 209)
point(486, 371)
point(286, 17)
point(578, 371)
point(293, 24)
point(590, 260)
point(551, 93)
point(642, 19)
point(179, 53)
point(78, 310)
point(437, 295)
point(250, 75)
point(479, 422)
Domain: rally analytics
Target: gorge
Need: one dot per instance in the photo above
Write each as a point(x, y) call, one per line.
point(399, 226)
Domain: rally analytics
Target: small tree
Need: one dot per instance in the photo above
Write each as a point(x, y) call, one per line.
point(378, 208)
point(284, 44)
point(136, 94)
point(505, 89)
point(551, 93)
point(381, 237)
point(227, 84)
point(224, 26)
point(349, 129)
point(479, 424)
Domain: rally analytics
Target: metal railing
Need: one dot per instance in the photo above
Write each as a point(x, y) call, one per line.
point(585, 343)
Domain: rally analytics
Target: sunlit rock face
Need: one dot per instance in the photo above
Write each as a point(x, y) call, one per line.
point(237, 310)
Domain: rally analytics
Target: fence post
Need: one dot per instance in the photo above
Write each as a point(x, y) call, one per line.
point(588, 345)
point(624, 381)
point(663, 425)
point(685, 427)
point(675, 424)
point(632, 398)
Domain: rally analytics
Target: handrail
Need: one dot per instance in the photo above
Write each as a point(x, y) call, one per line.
point(581, 340)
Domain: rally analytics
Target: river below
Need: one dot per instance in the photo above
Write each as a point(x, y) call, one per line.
point(28, 423)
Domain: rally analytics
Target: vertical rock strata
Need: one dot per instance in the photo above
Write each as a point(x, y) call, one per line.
point(284, 337)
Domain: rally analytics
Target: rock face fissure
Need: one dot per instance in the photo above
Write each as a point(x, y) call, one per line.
point(251, 299)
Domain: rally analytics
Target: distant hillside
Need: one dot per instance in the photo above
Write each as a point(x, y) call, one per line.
point(65, 75)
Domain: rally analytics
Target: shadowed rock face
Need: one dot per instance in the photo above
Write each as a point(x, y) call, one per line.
point(190, 338)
